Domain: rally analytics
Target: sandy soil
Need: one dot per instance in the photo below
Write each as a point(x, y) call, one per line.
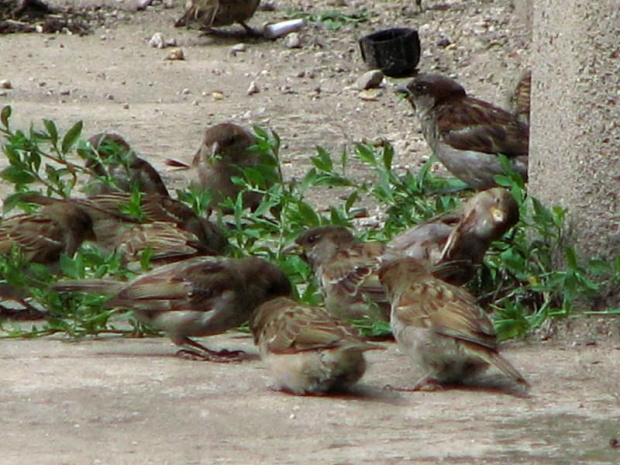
point(131, 401)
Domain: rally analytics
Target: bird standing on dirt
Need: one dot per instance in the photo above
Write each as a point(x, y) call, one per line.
point(458, 240)
point(467, 134)
point(307, 350)
point(218, 13)
point(440, 326)
point(223, 154)
point(115, 167)
point(346, 269)
point(194, 298)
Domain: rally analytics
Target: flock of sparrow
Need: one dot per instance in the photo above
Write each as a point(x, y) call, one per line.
point(194, 290)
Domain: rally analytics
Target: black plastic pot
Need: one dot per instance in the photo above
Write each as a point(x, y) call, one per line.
point(394, 51)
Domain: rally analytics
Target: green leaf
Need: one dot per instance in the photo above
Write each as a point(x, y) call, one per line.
point(17, 176)
point(72, 136)
point(5, 116)
point(52, 131)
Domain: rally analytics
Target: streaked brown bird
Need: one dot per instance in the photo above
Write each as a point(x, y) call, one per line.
point(223, 154)
point(194, 298)
point(45, 235)
point(42, 237)
point(467, 134)
point(346, 269)
point(521, 98)
point(441, 327)
point(218, 13)
point(113, 221)
point(458, 240)
point(307, 350)
point(115, 167)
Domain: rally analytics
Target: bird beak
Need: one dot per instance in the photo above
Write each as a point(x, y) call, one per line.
point(498, 215)
point(215, 148)
point(293, 249)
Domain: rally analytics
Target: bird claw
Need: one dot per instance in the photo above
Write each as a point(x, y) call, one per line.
point(222, 356)
point(425, 386)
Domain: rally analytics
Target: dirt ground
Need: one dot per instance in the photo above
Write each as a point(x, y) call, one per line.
point(130, 401)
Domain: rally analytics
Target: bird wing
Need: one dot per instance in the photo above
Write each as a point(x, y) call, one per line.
point(37, 236)
point(481, 127)
point(300, 328)
point(448, 310)
point(200, 284)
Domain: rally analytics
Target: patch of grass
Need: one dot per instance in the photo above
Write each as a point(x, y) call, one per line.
point(333, 20)
point(519, 279)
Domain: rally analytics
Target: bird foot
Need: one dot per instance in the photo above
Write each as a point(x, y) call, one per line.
point(426, 386)
point(222, 356)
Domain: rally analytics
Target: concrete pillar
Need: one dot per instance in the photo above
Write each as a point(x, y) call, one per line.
point(575, 133)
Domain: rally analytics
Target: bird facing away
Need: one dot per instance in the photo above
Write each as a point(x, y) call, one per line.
point(218, 13)
point(467, 134)
point(346, 270)
point(115, 160)
point(459, 239)
point(440, 327)
point(194, 298)
point(307, 350)
point(224, 154)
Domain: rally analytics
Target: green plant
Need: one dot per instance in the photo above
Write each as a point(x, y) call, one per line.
point(333, 20)
point(520, 278)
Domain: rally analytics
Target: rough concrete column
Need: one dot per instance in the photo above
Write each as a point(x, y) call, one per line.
point(575, 140)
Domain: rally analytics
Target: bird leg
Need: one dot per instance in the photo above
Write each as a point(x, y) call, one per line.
point(205, 354)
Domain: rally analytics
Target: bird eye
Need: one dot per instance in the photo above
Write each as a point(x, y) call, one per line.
point(419, 89)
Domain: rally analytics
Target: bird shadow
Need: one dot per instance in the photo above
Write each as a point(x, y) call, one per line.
point(491, 384)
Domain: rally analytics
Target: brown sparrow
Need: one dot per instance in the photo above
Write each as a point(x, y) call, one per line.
point(440, 326)
point(194, 298)
point(116, 160)
point(43, 236)
point(520, 99)
point(111, 221)
point(458, 240)
point(223, 155)
point(467, 134)
point(307, 350)
point(218, 13)
point(346, 270)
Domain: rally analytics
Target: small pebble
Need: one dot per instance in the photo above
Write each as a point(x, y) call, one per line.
point(176, 55)
point(253, 89)
point(369, 80)
point(241, 47)
point(157, 41)
point(6, 84)
point(293, 40)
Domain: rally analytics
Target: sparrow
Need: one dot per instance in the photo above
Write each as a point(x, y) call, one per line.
point(440, 326)
point(467, 134)
point(218, 13)
point(44, 236)
point(113, 158)
point(346, 269)
point(520, 98)
point(162, 242)
point(194, 298)
point(112, 221)
point(307, 350)
point(223, 155)
point(454, 243)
